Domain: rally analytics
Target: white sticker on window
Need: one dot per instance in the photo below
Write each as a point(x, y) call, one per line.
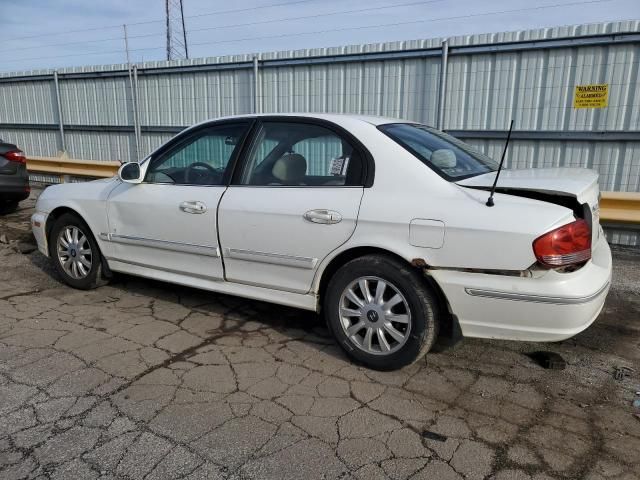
point(339, 166)
point(336, 166)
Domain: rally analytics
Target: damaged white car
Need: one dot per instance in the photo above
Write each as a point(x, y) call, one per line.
point(381, 225)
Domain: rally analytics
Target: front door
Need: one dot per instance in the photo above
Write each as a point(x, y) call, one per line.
point(295, 199)
point(168, 222)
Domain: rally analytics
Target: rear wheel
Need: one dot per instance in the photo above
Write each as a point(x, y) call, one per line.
point(75, 253)
point(381, 312)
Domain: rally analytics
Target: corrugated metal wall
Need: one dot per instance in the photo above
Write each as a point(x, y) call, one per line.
point(487, 83)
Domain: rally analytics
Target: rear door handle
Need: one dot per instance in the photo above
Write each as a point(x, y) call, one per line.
point(327, 217)
point(193, 207)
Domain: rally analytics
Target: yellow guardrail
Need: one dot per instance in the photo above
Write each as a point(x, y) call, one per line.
point(615, 207)
point(620, 207)
point(70, 167)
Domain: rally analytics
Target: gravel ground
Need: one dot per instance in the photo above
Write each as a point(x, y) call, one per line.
point(142, 379)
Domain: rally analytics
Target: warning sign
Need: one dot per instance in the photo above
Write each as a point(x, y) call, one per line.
point(591, 96)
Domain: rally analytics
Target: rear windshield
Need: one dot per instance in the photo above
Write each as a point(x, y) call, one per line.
point(447, 156)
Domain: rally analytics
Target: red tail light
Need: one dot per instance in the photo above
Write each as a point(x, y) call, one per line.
point(563, 246)
point(16, 156)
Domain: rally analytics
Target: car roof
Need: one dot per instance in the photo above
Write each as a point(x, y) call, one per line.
point(338, 118)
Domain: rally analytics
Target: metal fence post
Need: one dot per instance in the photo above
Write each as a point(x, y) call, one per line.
point(442, 92)
point(136, 117)
point(134, 114)
point(134, 110)
point(256, 82)
point(63, 145)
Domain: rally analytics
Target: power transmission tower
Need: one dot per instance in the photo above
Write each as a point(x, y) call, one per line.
point(176, 33)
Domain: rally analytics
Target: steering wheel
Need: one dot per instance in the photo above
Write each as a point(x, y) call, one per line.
point(192, 174)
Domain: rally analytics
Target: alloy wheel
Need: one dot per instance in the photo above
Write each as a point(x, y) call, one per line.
point(74, 252)
point(375, 316)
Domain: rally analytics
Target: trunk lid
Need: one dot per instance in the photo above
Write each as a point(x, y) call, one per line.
point(555, 185)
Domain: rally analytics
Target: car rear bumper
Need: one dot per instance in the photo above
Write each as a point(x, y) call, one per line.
point(38, 226)
point(15, 186)
point(17, 191)
point(552, 307)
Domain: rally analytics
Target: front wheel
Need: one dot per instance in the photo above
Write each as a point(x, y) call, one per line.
point(75, 253)
point(381, 312)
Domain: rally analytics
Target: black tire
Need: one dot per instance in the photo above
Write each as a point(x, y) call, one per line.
point(8, 206)
point(419, 301)
point(94, 277)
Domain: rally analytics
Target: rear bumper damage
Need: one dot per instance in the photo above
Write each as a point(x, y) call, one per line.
point(551, 307)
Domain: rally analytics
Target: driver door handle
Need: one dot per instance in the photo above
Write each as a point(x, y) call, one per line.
point(193, 207)
point(327, 217)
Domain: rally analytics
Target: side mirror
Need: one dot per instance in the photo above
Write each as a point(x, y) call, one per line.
point(444, 158)
point(130, 172)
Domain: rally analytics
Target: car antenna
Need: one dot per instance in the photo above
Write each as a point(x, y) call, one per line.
point(495, 181)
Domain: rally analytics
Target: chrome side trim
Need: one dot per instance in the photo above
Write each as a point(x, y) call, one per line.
point(162, 269)
point(476, 292)
point(207, 250)
point(235, 281)
point(273, 258)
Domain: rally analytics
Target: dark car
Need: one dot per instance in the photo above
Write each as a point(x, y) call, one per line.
point(14, 178)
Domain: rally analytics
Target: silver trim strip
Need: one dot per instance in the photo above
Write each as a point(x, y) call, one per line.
point(264, 285)
point(273, 258)
point(181, 247)
point(476, 292)
point(163, 269)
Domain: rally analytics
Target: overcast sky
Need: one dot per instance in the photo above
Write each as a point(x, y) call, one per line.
point(56, 33)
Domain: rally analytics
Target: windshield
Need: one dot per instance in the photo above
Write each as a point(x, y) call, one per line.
point(447, 156)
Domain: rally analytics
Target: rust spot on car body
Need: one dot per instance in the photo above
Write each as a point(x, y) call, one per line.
point(419, 263)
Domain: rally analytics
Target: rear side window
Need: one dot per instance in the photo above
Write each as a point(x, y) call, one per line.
point(447, 156)
point(301, 154)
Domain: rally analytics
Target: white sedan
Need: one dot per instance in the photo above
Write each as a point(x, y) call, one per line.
point(380, 224)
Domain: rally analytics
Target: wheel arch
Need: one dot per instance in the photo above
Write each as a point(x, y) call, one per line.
point(57, 213)
point(355, 252)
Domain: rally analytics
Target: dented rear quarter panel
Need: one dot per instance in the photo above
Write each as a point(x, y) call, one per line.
point(474, 235)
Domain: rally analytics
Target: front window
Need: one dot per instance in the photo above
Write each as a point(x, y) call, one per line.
point(446, 155)
point(201, 158)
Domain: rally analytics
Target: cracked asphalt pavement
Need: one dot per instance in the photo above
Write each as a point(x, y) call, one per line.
point(142, 379)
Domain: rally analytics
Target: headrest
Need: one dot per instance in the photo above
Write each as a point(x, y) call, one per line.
point(291, 168)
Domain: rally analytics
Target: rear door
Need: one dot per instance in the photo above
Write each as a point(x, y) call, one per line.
point(294, 199)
